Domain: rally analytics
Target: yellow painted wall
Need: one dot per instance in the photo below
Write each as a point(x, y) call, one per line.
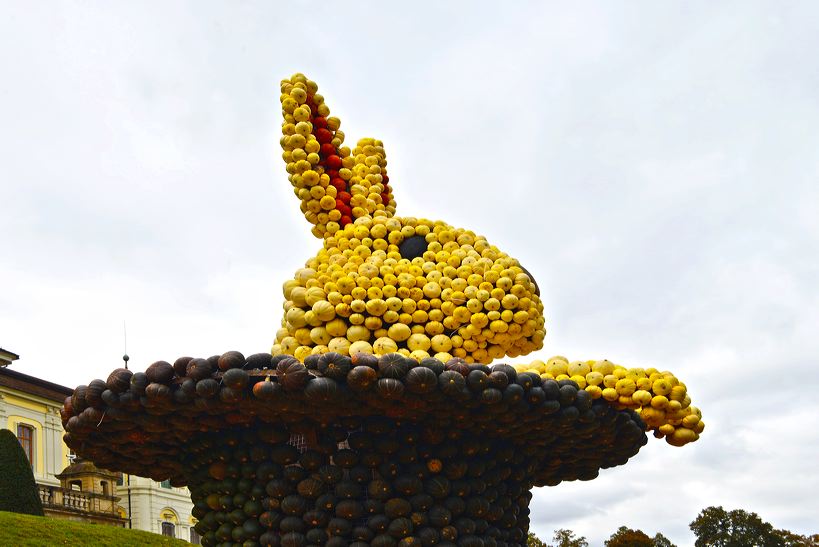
point(13, 398)
point(25, 403)
point(39, 462)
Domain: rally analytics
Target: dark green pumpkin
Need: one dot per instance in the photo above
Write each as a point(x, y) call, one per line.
point(119, 380)
point(428, 536)
point(235, 378)
point(433, 364)
point(139, 381)
point(348, 489)
point(292, 524)
point(207, 388)
point(361, 378)
point(294, 504)
point(438, 487)
point(278, 488)
point(258, 361)
point(345, 458)
point(408, 485)
point(199, 369)
point(378, 523)
point(383, 540)
point(317, 536)
point(292, 375)
point(400, 527)
point(293, 539)
point(230, 360)
point(273, 434)
point(362, 533)
point(311, 460)
point(397, 507)
point(311, 488)
point(390, 388)
point(330, 474)
point(364, 359)
point(451, 382)
point(339, 527)
point(349, 509)
point(379, 489)
point(477, 380)
point(439, 516)
point(158, 392)
point(294, 474)
point(316, 518)
point(312, 361)
point(334, 365)
point(421, 380)
point(491, 396)
point(161, 372)
point(284, 454)
point(393, 365)
point(326, 502)
point(321, 391)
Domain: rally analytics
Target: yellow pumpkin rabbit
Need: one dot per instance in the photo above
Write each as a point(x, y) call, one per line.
point(382, 284)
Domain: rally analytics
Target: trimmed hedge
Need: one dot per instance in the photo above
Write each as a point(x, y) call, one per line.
point(18, 491)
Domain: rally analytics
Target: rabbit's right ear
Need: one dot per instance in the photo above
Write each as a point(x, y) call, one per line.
point(335, 185)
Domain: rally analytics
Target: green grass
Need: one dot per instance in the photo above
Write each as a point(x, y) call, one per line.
point(26, 530)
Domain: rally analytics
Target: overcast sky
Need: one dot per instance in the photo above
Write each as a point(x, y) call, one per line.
point(654, 165)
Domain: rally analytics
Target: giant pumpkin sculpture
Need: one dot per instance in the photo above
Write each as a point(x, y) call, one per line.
point(377, 418)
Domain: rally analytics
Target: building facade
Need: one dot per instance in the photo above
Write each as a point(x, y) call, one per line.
point(75, 489)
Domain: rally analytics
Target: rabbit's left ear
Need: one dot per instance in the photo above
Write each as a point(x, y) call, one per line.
point(336, 185)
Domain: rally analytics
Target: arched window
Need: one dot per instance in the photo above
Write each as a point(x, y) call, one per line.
point(105, 490)
point(169, 529)
point(25, 434)
point(169, 521)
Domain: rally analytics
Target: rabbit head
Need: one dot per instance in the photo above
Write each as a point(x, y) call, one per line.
point(382, 283)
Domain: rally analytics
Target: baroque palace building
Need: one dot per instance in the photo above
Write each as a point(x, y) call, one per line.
point(75, 489)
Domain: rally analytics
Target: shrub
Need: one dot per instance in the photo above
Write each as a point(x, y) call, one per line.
point(18, 491)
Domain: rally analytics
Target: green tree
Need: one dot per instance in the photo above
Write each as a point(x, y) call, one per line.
point(18, 491)
point(566, 538)
point(626, 537)
point(716, 527)
point(661, 541)
point(533, 541)
point(789, 539)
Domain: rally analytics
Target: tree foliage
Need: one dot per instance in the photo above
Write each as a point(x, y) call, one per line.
point(662, 541)
point(789, 539)
point(562, 538)
point(626, 537)
point(533, 541)
point(18, 491)
point(566, 538)
point(716, 527)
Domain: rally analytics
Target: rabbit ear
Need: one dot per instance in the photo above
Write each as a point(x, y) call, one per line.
point(335, 185)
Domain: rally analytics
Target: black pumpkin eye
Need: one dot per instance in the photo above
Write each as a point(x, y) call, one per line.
point(413, 247)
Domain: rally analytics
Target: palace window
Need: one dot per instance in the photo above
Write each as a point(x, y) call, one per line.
point(168, 529)
point(25, 434)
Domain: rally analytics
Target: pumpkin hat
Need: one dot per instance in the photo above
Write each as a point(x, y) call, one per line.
point(380, 383)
